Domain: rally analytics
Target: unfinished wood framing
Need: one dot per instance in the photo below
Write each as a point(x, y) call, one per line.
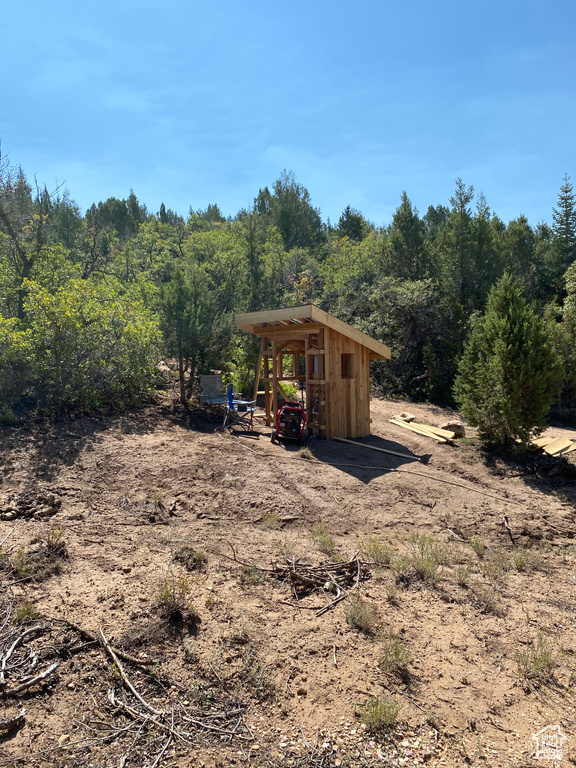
point(330, 358)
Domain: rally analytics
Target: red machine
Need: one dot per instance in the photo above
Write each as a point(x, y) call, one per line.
point(290, 422)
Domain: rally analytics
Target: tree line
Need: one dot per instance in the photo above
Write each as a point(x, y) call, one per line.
point(89, 302)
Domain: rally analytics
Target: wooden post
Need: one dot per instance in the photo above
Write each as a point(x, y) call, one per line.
point(274, 379)
point(267, 398)
point(259, 368)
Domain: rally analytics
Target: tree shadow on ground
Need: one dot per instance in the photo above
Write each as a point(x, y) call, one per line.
point(45, 447)
point(554, 477)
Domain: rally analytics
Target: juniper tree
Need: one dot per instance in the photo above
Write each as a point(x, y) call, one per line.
point(509, 373)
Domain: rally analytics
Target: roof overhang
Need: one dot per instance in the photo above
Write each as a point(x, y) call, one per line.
point(284, 321)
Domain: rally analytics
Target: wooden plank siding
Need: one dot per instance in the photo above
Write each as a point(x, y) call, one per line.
point(347, 399)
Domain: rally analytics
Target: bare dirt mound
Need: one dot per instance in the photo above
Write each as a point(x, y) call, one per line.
point(177, 596)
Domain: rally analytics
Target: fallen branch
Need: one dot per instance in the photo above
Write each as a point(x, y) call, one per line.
point(29, 683)
point(94, 638)
point(124, 676)
point(10, 651)
point(7, 723)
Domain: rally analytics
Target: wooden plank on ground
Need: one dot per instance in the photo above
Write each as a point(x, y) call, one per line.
point(571, 448)
point(557, 446)
point(539, 442)
point(417, 430)
point(446, 434)
point(374, 448)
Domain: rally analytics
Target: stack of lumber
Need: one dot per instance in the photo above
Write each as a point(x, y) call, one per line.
point(553, 446)
point(435, 433)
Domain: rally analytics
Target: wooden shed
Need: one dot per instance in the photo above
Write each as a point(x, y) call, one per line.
point(328, 358)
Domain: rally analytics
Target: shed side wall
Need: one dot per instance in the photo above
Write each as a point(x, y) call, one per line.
point(347, 400)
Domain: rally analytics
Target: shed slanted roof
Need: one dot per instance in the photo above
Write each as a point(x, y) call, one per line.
point(269, 321)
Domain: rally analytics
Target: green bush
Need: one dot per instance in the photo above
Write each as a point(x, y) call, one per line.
point(82, 344)
point(509, 374)
point(379, 713)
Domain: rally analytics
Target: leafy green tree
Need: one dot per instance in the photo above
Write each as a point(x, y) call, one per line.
point(419, 325)
point(509, 373)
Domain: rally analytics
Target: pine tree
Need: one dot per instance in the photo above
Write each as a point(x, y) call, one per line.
point(509, 374)
point(563, 252)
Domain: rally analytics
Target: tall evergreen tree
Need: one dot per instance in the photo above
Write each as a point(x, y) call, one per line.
point(509, 374)
point(563, 252)
point(407, 255)
point(352, 225)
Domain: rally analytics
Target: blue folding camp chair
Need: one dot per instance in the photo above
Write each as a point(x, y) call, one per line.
point(239, 413)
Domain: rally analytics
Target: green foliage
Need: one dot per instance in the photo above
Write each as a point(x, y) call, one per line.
point(377, 550)
point(537, 662)
point(90, 343)
point(395, 656)
point(509, 373)
point(25, 611)
point(173, 285)
point(478, 545)
point(250, 575)
point(379, 713)
point(192, 559)
point(323, 539)
point(361, 615)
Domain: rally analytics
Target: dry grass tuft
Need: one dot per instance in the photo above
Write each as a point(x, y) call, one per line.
point(361, 615)
point(379, 713)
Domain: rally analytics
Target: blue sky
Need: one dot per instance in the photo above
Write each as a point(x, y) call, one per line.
point(193, 103)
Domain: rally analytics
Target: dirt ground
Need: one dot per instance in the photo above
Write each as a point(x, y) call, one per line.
point(466, 624)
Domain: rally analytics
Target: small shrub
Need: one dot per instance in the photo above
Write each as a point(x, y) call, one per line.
point(526, 559)
point(428, 546)
point(255, 675)
point(249, 575)
point(7, 416)
point(191, 559)
point(379, 713)
point(361, 615)
point(324, 540)
point(537, 662)
point(25, 611)
point(173, 602)
point(272, 520)
point(478, 545)
point(376, 550)
point(462, 577)
point(415, 567)
point(488, 599)
point(519, 559)
point(392, 593)
point(496, 568)
point(42, 558)
point(395, 656)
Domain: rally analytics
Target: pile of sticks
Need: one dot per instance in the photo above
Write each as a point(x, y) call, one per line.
point(328, 577)
point(178, 722)
point(20, 665)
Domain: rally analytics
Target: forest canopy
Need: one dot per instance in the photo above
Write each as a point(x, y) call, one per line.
point(90, 302)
